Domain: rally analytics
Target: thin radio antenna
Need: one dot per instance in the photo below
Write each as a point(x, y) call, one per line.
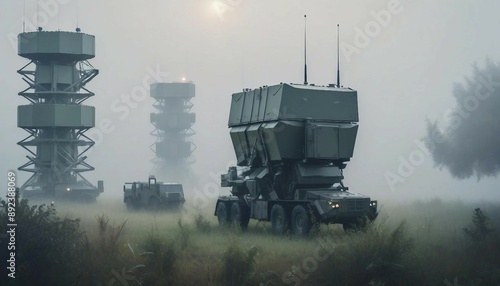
point(243, 70)
point(37, 14)
point(77, 14)
point(338, 56)
point(305, 49)
point(24, 16)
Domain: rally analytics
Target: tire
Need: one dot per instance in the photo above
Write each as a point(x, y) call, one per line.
point(359, 224)
point(154, 204)
point(240, 215)
point(86, 198)
point(301, 220)
point(130, 205)
point(279, 219)
point(348, 226)
point(353, 225)
point(222, 214)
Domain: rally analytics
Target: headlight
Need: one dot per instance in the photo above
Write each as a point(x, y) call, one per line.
point(373, 203)
point(68, 189)
point(334, 205)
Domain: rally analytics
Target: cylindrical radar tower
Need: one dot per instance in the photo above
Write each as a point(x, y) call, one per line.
point(173, 123)
point(55, 118)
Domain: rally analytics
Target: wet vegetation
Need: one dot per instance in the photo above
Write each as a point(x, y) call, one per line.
point(423, 243)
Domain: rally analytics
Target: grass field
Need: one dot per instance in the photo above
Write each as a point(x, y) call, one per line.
point(419, 243)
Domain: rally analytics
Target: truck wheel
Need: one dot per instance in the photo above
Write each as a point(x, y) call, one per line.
point(129, 204)
point(301, 220)
point(356, 224)
point(279, 220)
point(222, 214)
point(240, 215)
point(86, 198)
point(348, 226)
point(154, 204)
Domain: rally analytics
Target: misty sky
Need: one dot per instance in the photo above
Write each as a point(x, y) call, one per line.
point(404, 73)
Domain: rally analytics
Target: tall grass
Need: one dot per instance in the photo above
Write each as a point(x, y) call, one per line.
point(238, 264)
point(422, 243)
point(381, 255)
point(42, 241)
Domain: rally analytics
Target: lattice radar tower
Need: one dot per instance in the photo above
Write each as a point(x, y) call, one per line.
point(173, 121)
point(55, 117)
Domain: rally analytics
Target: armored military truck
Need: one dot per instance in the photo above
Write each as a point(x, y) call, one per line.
point(153, 195)
point(292, 142)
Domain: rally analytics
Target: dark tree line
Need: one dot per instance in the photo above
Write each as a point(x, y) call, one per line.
point(469, 144)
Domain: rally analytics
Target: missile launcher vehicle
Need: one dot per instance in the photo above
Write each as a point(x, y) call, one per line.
point(153, 195)
point(292, 142)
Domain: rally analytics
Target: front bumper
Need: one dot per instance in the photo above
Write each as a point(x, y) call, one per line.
point(345, 210)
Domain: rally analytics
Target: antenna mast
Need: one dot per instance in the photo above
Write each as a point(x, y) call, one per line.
point(305, 49)
point(24, 16)
point(77, 14)
point(338, 57)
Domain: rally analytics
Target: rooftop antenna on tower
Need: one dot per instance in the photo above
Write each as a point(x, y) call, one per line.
point(243, 70)
point(77, 16)
point(305, 49)
point(338, 56)
point(24, 16)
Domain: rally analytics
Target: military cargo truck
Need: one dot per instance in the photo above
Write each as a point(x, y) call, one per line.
point(292, 142)
point(153, 195)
